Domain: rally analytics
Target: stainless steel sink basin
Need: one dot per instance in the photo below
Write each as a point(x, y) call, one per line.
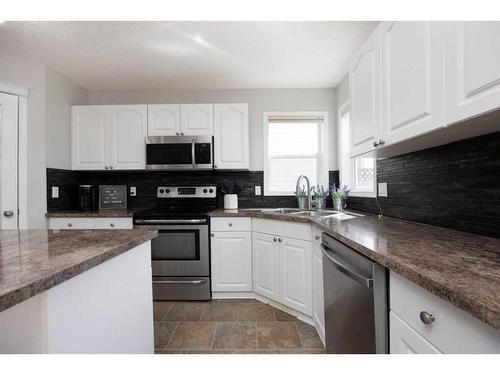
point(318, 213)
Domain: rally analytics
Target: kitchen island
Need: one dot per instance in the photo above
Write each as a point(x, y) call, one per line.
point(78, 291)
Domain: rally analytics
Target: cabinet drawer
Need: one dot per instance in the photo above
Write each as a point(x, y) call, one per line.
point(231, 224)
point(283, 228)
point(112, 223)
point(405, 340)
point(452, 331)
point(316, 235)
point(70, 223)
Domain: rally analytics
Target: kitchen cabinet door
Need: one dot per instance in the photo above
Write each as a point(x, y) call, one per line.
point(472, 69)
point(164, 119)
point(318, 298)
point(412, 79)
point(231, 262)
point(266, 266)
point(89, 139)
point(405, 340)
point(364, 82)
point(197, 119)
point(127, 137)
point(231, 136)
point(295, 274)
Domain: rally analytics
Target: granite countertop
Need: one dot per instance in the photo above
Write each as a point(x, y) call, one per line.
point(459, 267)
point(32, 261)
point(101, 213)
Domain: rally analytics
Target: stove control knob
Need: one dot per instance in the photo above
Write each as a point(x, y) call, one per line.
point(162, 191)
point(211, 191)
point(205, 191)
point(167, 191)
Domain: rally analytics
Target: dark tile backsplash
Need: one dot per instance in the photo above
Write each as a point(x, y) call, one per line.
point(455, 186)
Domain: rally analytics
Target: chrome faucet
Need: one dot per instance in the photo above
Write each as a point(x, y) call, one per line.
point(308, 187)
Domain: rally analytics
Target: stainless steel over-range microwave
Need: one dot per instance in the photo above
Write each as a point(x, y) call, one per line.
point(179, 153)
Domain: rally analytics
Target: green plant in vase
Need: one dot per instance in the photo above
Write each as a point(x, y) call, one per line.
point(319, 194)
point(301, 195)
point(339, 197)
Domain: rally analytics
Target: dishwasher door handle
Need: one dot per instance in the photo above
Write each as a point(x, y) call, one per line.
point(179, 281)
point(367, 282)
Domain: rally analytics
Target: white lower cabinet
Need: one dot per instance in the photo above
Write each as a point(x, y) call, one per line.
point(266, 265)
point(317, 287)
point(231, 262)
point(90, 223)
point(405, 340)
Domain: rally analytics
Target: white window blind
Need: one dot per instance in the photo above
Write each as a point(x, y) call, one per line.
point(294, 147)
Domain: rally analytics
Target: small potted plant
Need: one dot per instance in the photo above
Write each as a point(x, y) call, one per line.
point(339, 197)
point(319, 194)
point(301, 195)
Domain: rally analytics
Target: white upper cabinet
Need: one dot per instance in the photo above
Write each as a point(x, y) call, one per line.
point(231, 136)
point(295, 274)
point(89, 127)
point(364, 78)
point(127, 137)
point(164, 119)
point(412, 85)
point(197, 119)
point(108, 137)
point(472, 66)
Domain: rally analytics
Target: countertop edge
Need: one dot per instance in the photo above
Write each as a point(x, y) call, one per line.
point(16, 296)
point(454, 297)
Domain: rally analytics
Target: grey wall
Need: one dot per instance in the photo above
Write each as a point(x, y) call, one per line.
point(259, 101)
point(47, 102)
point(60, 94)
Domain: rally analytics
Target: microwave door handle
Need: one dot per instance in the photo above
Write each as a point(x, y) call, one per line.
point(193, 154)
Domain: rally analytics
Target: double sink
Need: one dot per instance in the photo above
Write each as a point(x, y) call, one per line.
point(300, 212)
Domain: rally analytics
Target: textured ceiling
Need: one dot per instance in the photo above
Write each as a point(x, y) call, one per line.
point(190, 55)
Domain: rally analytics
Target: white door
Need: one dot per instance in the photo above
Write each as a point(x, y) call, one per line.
point(231, 136)
point(472, 69)
point(412, 79)
point(9, 105)
point(318, 298)
point(266, 265)
point(164, 119)
point(405, 340)
point(89, 139)
point(295, 274)
point(197, 119)
point(127, 137)
point(231, 262)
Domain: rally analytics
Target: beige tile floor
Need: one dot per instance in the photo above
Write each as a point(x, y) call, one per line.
point(230, 326)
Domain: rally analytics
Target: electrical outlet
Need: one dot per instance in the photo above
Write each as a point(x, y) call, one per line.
point(133, 191)
point(55, 191)
point(258, 190)
point(382, 189)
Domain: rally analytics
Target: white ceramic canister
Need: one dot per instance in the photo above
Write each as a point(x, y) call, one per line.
point(230, 201)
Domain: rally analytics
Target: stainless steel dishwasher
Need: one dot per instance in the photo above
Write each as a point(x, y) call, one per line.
point(355, 293)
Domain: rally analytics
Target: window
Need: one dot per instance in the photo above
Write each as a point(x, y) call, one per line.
point(294, 144)
point(358, 173)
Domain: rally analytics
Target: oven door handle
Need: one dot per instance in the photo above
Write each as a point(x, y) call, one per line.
point(170, 221)
point(193, 153)
point(179, 281)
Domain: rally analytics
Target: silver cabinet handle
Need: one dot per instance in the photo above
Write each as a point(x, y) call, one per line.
point(106, 167)
point(375, 144)
point(317, 237)
point(193, 153)
point(230, 224)
point(275, 239)
point(112, 225)
point(110, 167)
point(215, 166)
point(426, 318)
point(212, 234)
point(280, 240)
point(176, 133)
point(170, 221)
point(368, 282)
point(70, 225)
point(179, 281)
point(381, 142)
point(182, 133)
point(8, 213)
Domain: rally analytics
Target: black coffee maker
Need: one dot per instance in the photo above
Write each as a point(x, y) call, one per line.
point(87, 198)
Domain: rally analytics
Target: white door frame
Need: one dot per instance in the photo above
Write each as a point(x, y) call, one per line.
point(22, 168)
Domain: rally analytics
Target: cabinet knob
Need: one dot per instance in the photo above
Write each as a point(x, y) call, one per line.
point(176, 133)
point(106, 167)
point(182, 133)
point(215, 166)
point(112, 225)
point(317, 237)
point(280, 240)
point(212, 235)
point(110, 167)
point(375, 144)
point(70, 225)
point(275, 239)
point(426, 318)
point(230, 224)
point(381, 142)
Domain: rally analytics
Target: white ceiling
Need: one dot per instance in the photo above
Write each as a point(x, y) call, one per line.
point(190, 55)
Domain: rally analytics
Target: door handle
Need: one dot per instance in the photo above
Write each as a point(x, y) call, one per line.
point(368, 282)
point(8, 213)
point(193, 154)
point(170, 221)
point(179, 281)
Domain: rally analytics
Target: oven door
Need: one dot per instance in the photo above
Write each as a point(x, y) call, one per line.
point(181, 249)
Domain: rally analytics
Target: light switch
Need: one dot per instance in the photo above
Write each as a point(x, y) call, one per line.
point(55, 191)
point(257, 190)
point(133, 191)
point(382, 189)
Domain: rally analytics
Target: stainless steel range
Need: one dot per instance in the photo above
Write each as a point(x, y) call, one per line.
point(181, 252)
